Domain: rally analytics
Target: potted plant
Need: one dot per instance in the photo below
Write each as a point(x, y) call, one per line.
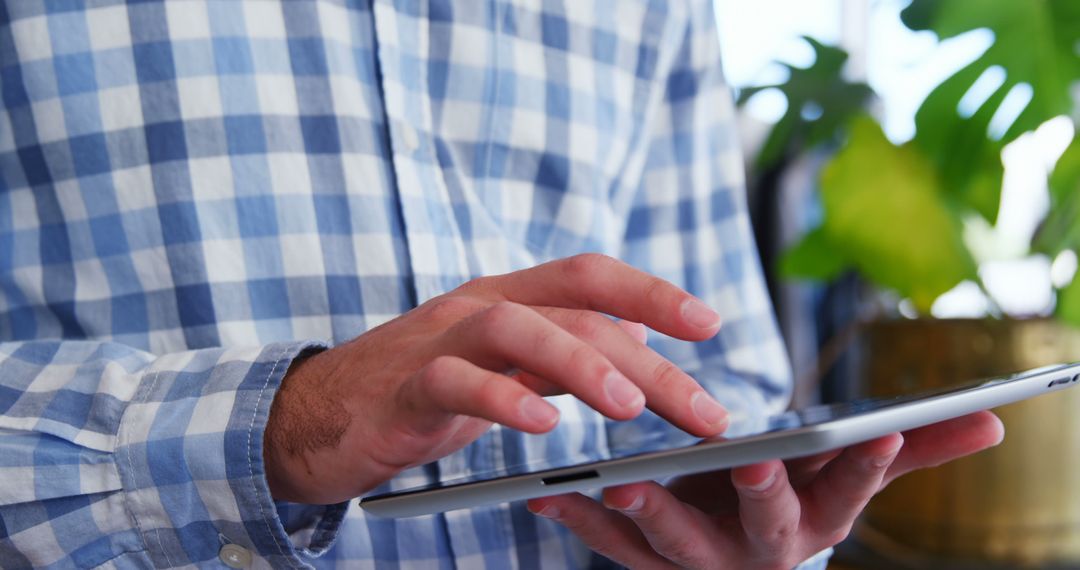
point(896, 216)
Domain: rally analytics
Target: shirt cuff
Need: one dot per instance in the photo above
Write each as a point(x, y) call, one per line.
point(312, 529)
point(191, 463)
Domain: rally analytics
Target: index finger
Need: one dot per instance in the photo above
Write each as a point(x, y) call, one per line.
point(600, 283)
point(938, 443)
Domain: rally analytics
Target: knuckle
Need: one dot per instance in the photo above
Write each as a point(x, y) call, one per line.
point(584, 362)
point(581, 526)
point(590, 325)
point(777, 542)
point(440, 368)
point(504, 310)
point(686, 551)
point(487, 395)
point(667, 376)
point(656, 290)
point(484, 286)
point(545, 342)
point(450, 308)
point(496, 317)
point(479, 284)
point(784, 533)
point(430, 382)
point(585, 265)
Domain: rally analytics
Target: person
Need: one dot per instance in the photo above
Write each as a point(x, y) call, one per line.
point(260, 258)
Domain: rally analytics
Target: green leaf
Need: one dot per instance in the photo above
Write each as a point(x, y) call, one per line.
point(1061, 228)
point(1068, 303)
point(814, 258)
point(968, 161)
point(885, 210)
point(1034, 42)
point(1066, 176)
point(919, 15)
point(820, 86)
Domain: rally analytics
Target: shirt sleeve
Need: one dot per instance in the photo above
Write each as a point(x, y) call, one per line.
point(113, 456)
point(688, 223)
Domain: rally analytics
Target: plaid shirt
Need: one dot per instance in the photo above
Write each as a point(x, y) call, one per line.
point(194, 193)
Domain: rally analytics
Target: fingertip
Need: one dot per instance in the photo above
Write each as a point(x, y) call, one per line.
point(541, 416)
point(627, 397)
point(632, 506)
point(756, 478)
point(628, 414)
point(543, 507)
point(712, 414)
point(700, 316)
point(963, 435)
point(887, 444)
point(637, 331)
point(625, 498)
point(881, 452)
point(995, 428)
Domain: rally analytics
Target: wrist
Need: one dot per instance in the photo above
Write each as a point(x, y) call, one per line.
point(305, 454)
point(302, 419)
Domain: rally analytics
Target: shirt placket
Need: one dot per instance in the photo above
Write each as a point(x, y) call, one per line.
point(434, 241)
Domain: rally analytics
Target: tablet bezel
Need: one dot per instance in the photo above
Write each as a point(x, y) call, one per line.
point(787, 443)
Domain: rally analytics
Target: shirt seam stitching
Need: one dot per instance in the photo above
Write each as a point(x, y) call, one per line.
point(145, 395)
point(251, 463)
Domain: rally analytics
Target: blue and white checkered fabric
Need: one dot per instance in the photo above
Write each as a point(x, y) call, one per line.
point(193, 193)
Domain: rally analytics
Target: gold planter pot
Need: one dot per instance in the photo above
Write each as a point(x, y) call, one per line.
point(1017, 504)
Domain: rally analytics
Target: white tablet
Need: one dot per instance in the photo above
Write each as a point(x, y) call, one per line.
point(793, 434)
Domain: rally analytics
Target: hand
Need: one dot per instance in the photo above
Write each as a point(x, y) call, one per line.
point(771, 515)
point(433, 380)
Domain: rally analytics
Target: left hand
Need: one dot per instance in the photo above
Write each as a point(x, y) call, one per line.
point(770, 515)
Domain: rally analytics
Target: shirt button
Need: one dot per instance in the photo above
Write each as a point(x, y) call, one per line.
point(235, 556)
point(410, 141)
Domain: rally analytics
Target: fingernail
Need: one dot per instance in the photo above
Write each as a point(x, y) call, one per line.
point(635, 506)
point(881, 461)
point(640, 332)
point(622, 390)
point(538, 411)
point(884, 460)
point(548, 512)
point(764, 484)
point(709, 410)
point(1001, 432)
point(699, 314)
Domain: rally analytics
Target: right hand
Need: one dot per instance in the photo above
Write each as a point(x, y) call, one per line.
point(433, 380)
